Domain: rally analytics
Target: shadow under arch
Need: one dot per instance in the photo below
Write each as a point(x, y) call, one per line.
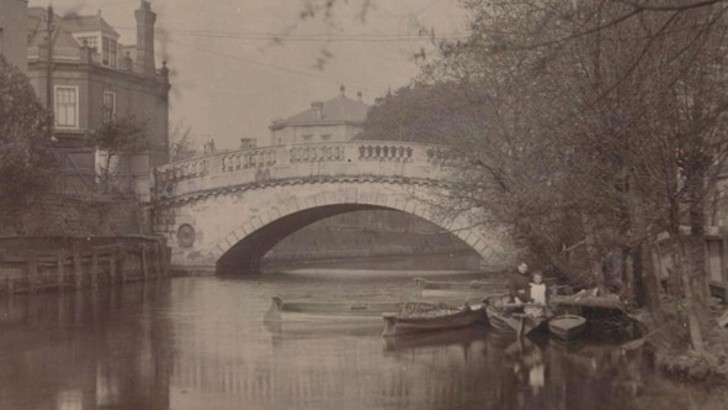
point(246, 254)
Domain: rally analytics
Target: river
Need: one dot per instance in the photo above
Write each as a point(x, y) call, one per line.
point(199, 343)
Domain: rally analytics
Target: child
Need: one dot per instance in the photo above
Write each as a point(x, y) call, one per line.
point(537, 290)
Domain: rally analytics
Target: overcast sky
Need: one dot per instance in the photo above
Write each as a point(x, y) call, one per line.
point(230, 79)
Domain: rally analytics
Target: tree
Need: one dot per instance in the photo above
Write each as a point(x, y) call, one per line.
point(25, 157)
point(183, 144)
point(117, 140)
point(597, 119)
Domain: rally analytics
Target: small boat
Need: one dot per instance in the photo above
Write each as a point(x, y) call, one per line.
point(567, 326)
point(514, 323)
point(447, 289)
point(328, 311)
point(431, 320)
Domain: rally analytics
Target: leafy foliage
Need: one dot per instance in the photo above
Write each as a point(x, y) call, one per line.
point(117, 140)
point(25, 158)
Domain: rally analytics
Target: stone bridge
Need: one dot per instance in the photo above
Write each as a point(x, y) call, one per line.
point(229, 209)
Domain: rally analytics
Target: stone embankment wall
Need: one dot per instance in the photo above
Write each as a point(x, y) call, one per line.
point(68, 216)
point(34, 264)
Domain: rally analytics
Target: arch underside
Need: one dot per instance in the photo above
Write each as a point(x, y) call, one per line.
point(247, 253)
point(242, 253)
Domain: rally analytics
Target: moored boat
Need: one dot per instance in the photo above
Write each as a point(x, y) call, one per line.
point(507, 317)
point(324, 310)
point(431, 320)
point(470, 290)
point(567, 326)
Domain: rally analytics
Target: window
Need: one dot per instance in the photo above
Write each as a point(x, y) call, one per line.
point(108, 52)
point(325, 137)
point(66, 107)
point(89, 41)
point(307, 137)
point(109, 107)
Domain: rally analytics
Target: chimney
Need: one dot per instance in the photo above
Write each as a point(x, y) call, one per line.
point(360, 96)
point(145, 19)
point(318, 109)
point(342, 89)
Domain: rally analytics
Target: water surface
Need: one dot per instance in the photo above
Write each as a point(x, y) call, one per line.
point(199, 343)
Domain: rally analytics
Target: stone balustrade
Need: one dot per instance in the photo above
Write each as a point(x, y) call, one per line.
point(194, 168)
point(317, 153)
point(443, 155)
point(301, 161)
point(256, 158)
point(385, 152)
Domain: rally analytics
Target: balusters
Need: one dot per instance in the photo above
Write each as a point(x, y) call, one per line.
point(316, 153)
point(443, 156)
point(385, 153)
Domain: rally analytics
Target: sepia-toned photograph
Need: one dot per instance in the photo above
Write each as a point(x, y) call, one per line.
point(363, 204)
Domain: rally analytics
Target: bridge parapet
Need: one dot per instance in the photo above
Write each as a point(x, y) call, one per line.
point(302, 161)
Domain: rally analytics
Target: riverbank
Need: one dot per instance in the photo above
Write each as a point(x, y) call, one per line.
point(53, 263)
point(668, 342)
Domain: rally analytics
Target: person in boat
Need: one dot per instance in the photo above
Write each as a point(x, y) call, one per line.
point(537, 295)
point(518, 283)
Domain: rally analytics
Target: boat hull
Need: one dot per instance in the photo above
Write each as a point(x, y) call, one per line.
point(472, 291)
point(396, 324)
point(567, 327)
point(281, 310)
point(512, 324)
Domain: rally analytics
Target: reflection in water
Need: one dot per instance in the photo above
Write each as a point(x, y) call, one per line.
point(200, 343)
point(85, 350)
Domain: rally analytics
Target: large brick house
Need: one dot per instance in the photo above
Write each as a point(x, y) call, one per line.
point(94, 79)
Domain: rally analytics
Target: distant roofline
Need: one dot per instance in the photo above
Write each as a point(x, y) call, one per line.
point(283, 124)
point(296, 120)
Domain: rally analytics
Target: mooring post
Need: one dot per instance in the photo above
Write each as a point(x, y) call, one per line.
point(123, 268)
point(145, 261)
point(158, 259)
point(9, 284)
point(77, 266)
point(60, 266)
point(94, 268)
point(32, 271)
point(112, 265)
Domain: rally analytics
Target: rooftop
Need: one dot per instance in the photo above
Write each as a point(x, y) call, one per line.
point(338, 110)
point(67, 26)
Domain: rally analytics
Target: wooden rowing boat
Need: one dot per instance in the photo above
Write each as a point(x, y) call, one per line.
point(439, 319)
point(458, 292)
point(514, 323)
point(567, 326)
point(434, 286)
point(328, 311)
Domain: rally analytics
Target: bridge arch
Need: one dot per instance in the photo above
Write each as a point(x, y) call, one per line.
point(229, 209)
point(270, 214)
